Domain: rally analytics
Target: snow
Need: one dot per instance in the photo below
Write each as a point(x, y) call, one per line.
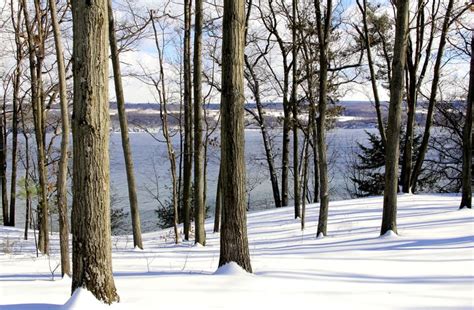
point(231, 269)
point(83, 299)
point(389, 235)
point(429, 265)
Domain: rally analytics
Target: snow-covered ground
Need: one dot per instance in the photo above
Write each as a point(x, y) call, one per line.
point(430, 265)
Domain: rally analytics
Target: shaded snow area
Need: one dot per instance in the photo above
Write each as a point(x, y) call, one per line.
point(428, 265)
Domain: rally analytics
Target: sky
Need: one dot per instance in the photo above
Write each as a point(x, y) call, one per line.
point(143, 59)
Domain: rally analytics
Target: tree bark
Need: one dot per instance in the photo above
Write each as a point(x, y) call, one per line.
point(389, 219)
point(92, 261)
point(467, 182)
point(233, 243)
point(63, 161)
point(188, 122)
point(199, 208)
point(127, 152)
point(323, 31)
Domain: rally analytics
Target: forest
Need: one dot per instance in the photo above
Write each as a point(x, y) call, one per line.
point(150, 143)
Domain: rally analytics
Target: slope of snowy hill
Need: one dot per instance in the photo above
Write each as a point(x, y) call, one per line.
point(429, 265)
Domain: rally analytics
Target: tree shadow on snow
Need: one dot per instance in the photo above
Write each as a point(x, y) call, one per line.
point(31, 307)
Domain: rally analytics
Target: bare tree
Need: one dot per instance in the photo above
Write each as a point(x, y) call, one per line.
point(270, 21)
point(36, 57)
point(199, 208)
point(466, 201)
point(188, 122)
point(92, 259)
point(161, 89)
point(447, 20)
point(373, 79)
point(127, 152)
point(252, 61)
point(323, 30)
point(389, 219)
point(63, 161)
point(294, 105)
point(3, 164)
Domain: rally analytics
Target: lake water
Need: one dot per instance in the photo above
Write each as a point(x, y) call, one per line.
point(153, 175)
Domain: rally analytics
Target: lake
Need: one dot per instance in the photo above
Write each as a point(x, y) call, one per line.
point(153, 175)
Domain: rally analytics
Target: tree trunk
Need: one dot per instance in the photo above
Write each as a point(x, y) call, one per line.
point(323, 37)
point(3, 167)
point(268, 154)
point(285, 162)
point(188, 121)
point(27, 174)
point(407, 161)
point(127, 152)
point(432, 101)
point(305, 182)
point(63, 161)
point(389, 219)
point(15, 118)
point(294, 104)
point(316, 173)
point(218, 210)
point(233, 243)
point(92, 259)
point(467, 183)
point(199, 208)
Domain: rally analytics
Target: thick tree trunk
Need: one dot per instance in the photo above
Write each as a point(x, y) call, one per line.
point(323, 37)
point(92, 259)
point(432, 101)
point(389, 220)
point(234, 243)
point(188, 122)
point(467, 182)
point(199, 208)
point(294, 105)
point(63, 161)
point(127, 152)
